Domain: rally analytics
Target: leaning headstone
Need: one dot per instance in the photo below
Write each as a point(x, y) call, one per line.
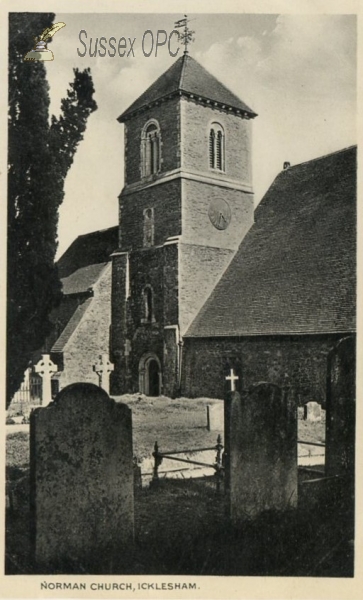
point(340, 410)
point(261, 448)
point(215, 416)
point(312, 412)
point(81, 471)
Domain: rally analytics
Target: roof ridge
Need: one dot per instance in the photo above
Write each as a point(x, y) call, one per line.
point(95, 231)
point(305, 162)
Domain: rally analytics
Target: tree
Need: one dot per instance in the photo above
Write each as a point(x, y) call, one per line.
point(40, 152)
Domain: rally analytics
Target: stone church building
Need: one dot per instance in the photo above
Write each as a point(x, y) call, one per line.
point(289, 294)
point(200, 282)
point(186, 204)
point(194, 282)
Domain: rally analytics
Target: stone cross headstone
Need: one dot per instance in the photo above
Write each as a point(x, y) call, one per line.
point(340, 410)
point(46, 368)
point(261, 448)
point(104, 368)
point(81, 472)
point(312, 412)
point(232, 378)
point(215, 416)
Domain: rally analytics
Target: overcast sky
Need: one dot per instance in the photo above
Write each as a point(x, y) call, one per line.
point(298, 72)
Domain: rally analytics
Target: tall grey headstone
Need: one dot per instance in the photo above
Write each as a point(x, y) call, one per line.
point(340, 410)
point(312, 412)
point(81, 466)
point(261, 449)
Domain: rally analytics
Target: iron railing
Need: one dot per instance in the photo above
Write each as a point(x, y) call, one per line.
point(173, 455)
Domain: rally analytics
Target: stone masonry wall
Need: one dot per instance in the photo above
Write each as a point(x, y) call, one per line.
point(195, 126)
point(196, 225)
point(299, 360)
point(118, 322)
point(156, 267)
point(91, 337)
point(167, 115)
point(200, 269)
point(165, 199)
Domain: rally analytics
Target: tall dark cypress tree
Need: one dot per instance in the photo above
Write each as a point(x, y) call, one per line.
point(40, 152)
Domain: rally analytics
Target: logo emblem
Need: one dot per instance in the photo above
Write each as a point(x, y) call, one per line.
point(40, 50)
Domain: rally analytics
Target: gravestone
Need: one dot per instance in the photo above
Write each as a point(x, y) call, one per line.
point(215, 417)
point(46, 368)
point(312, 412)
point(104, 368)
point(261, 451)
point(81, 471)
point(340, 410)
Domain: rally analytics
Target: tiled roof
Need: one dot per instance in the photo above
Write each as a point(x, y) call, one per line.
point(187, 75)
point(295, 271)
point(71, 326)
point(88, 249)
point(83, 279)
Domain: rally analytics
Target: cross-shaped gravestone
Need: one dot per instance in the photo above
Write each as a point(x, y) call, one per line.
point(103, 368)
point(45, 367)
point(232, 378)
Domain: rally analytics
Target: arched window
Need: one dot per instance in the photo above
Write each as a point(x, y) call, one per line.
point(148, 305)
point(150, 149)
point(148, 227)
point(212, 152)
point(216, 147)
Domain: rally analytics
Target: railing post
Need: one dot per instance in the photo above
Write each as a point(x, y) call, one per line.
point(218, 465)
point(157, 462)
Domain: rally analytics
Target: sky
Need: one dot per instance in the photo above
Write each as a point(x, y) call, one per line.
point(297, 72)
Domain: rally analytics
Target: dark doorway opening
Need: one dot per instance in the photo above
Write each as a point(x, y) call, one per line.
point(154, 378)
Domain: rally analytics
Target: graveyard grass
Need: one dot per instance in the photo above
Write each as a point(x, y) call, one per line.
point(174, 424)
point(180, 525)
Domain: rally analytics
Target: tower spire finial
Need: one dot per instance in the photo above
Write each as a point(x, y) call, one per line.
point(186, 36)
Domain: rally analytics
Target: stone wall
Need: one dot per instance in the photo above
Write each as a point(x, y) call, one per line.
point(157, 268)
point(299, 360)
point(195, 125)
point(165, 199)
point(184, 130)
point(200, 269)
point(119, 322)
point(167, 115)
point(91, 337)
point(196, 225)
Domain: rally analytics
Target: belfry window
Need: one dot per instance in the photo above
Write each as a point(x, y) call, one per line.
point(151, 149)
point(216, 147)
point(148, 305)
point(148, 227)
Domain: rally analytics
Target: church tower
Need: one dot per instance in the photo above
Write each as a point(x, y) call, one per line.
point(185, 207)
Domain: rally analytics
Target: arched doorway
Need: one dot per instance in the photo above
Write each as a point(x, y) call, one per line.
point(150, 375)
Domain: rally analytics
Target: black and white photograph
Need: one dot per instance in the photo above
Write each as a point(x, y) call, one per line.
point(181, 299)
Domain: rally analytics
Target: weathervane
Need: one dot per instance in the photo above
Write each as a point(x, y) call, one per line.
point(185, 37)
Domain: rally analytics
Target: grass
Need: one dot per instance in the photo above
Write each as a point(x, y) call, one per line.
point(181, 525)
point(174, 424)
point(17, 450)
point(311, 432)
